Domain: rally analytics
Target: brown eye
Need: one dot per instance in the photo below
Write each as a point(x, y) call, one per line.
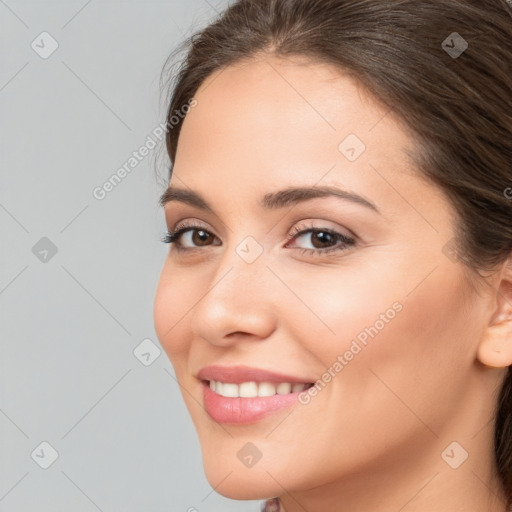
point(202, 236)
point(199, 237)
point(323, 240)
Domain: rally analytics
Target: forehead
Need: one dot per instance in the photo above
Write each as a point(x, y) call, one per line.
point(266, 95)
point(268, 108)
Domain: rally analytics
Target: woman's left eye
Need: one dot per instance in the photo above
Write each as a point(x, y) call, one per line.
point(323, 240)
point(323, 236)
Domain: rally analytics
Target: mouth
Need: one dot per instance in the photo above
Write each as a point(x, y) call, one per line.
point(248, 402)
point(253, 389)
point(243, 394)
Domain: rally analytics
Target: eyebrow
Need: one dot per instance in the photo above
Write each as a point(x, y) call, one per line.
point(270, 201)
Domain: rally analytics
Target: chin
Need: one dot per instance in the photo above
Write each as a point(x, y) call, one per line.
point(242, 483)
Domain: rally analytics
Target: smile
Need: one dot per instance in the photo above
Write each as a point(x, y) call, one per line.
point(254, 389)
point(248, 402)
point(243, 394)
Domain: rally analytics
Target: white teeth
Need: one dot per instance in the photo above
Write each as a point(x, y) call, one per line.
point(266, 389)
point(228, 389)
point(248, 389)
point(284, 388)
point(255, 389)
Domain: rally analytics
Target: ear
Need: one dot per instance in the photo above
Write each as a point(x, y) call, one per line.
point(495, 348)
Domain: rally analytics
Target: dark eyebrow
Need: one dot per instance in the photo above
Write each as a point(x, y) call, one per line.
point(270, 201)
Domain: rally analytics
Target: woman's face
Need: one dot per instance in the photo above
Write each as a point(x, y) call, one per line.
point(387, 323)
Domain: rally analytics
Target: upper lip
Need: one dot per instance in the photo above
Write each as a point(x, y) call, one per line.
point(239, 374)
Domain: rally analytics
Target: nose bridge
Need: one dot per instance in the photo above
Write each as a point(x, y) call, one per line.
point(242, 269)
point(239, 298)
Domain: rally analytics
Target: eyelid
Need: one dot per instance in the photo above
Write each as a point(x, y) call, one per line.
point(297, 227)
point(321, 224)
point(191, 223)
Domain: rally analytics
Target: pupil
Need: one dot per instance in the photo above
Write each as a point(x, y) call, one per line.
point(322, 234)
point(203, 237)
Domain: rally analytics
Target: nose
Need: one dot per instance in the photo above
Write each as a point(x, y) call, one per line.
point(240, 302)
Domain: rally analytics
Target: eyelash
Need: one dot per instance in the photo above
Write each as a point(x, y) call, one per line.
point(172, 237)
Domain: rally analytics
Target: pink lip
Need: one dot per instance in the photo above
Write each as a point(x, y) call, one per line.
point(244, 410)
point(238, 374)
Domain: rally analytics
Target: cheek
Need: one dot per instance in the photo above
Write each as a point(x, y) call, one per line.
point(405, 309)
point(398, 340)
point(170, 312)
point(334, 306)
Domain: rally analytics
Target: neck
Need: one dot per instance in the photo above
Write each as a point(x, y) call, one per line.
point(471, 487)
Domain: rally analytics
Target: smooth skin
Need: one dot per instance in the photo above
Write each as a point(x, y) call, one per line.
point(375, 437)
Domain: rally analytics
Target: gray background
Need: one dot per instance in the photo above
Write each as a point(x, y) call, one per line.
point(70, 321)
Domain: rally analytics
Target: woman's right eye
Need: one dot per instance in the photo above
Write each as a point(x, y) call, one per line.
point(175, 237)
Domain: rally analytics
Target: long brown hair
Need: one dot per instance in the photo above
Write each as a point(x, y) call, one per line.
point(443, 67)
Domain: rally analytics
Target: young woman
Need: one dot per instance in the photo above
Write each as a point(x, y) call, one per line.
point(337, 298)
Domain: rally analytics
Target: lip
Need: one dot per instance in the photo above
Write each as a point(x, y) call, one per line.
point(239, 374)
point(240, 410)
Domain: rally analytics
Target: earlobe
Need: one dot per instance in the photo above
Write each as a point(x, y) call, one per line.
point(495, 348)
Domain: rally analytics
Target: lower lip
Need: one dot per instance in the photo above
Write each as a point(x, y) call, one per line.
point(244, 410)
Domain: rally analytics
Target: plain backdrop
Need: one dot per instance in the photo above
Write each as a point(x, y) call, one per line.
point(91, 417)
